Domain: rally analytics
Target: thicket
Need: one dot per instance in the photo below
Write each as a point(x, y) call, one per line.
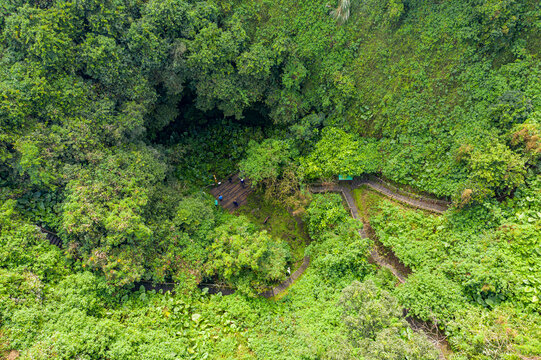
point(115, 115)
point(477, 279)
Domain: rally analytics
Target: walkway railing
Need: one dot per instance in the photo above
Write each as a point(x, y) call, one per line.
point(375, 183)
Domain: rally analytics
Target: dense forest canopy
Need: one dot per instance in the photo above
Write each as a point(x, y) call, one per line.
point(117, 116)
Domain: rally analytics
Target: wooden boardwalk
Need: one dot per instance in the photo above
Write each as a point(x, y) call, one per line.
point(417, 201)
point(52, 238)
point(438, 206)
point(232, 191)
point(287, 282)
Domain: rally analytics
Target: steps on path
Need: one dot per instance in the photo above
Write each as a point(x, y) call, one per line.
point(348, 196)
point(438, 338)
point(52, 238)
point(289, 281)
point(436, 206)
point(429, 205)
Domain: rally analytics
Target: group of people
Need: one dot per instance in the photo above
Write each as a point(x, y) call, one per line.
point(220, 197)
point(230, 179)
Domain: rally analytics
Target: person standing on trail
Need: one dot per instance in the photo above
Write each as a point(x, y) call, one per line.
point(215, 202)
point(236, 203)
point(230, 180)
point(242, 182)
point(215, 180)
point(220, 197)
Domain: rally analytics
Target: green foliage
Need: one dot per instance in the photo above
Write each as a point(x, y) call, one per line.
point(367, 310)
point(265, 161)
point(341, 253)
point(113, 113)
point(197, 151)
point(45, 36)
point(245, 258)
point(24, 249)
point(501, 333)
point(279, 222)
point(31, 164)
point(467, 267)
point(495, 171)
point(340, 153)
point(101, 56)
point(306, 131)
point(147, 325)
point(103, 204)
point(325, 213)
point(195, 215)
point(375, 328)
point(526, 138)
point(431, 296)
point(338, 252)
point(103, 212)
point(395, 344)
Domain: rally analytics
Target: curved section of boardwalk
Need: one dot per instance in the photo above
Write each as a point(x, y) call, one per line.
point(235, 190)
point(376, 184)
point(437, 206)
point(417, 201)
point(289, 281)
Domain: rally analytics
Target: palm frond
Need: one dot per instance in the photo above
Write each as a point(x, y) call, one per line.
point(341, 13)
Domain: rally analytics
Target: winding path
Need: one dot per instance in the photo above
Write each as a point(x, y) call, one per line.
point(433, 205)
point(344, 188)
point(414, 200)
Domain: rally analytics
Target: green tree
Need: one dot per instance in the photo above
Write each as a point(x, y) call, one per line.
point(367, 310)
point(375, 327)
point(431, 296)
point(325, 213)
point(339, 152)
point(265, 161)
point(494, 171)
point(246, 258)
point(103, 214)
point(44, 36)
